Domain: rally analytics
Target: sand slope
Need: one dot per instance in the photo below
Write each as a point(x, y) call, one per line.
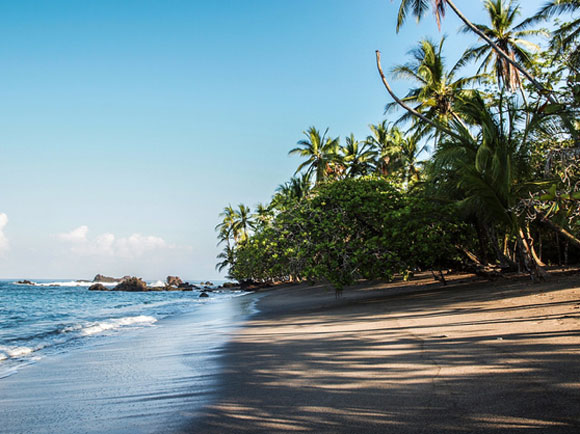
point(469, 357)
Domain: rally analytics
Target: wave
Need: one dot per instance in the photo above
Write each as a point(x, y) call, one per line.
point(141, 320)
point(72, 332)
point(17, 352)
point(68, 284)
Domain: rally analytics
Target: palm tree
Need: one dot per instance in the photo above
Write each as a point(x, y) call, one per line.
point(292, 191)
point(235, 224)
point(319, 150)
point(226, 229)
point(263, 215)
point(502, 31)
point(243, 222)
point(387, 141)
point(437, 89)
point(568, 33)
point(409, 153)
point(356, 157)
point(419, 7)
point(489, 173)
point(227, 258)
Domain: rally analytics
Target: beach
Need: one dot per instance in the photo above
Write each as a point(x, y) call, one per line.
point(472, 356)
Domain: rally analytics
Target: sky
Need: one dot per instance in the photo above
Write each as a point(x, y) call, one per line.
point(126, 126)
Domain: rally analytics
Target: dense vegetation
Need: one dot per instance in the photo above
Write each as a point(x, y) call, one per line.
point(475, 171)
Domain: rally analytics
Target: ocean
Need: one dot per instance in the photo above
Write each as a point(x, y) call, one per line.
point(74, 360)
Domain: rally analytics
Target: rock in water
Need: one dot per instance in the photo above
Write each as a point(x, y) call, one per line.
point(174, 281)
point(105, 279)
point(203, 294)
point(131, 284)
point(98, 287)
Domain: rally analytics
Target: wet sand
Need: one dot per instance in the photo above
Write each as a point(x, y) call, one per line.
point(472, 356)
point(150, 381)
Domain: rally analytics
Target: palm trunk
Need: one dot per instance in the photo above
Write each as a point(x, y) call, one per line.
point(504, 262)
point(536, 270)
point(559, 230)
point(532, 250)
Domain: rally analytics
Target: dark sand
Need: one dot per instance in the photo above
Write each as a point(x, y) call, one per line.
point(469, 357)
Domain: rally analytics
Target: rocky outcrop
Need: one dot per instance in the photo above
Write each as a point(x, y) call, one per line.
point(98, 287)
point(106, 279)
point(174, 281)
point(132, 284)
point(186, 286)
point(25, 282)
point(204, 294)
point(229, 285)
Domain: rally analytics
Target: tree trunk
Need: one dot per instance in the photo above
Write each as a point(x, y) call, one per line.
point(559, 249)
point(559, 230)
point(536, 271)
point(483, 241)
point(532, 250)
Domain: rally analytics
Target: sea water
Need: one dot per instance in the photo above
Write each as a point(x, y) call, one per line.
point(51, 317)
point(76, 360)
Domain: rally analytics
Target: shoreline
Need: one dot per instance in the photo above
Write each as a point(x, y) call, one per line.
point(148, 381)
point(472, 356)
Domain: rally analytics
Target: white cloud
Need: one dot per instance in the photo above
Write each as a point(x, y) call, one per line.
point(4, 245)
point(77, 235)
point(108, 244)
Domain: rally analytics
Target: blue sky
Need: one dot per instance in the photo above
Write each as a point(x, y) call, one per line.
point(127, 126)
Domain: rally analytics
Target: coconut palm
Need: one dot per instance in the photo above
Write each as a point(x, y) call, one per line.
point(489, 172)
point(242, 222)
point(227, 258)
point(319, 151)
point(292, 191)
point(409, 152)
point(263, 216)
point(226, 229)
point(235, 224)
point(356, 157)
point(502, 15)
point(437, 89)
point(419, 7)
point(387, 141)
point(566, 34)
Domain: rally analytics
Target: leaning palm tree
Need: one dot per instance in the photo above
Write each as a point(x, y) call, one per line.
point(437, 88)
point(502, 15)
point(319, 151)
point(356, 157)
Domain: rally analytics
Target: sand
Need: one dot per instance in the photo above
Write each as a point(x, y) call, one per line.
point(473, 356)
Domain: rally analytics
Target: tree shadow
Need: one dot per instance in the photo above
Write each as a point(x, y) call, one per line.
point(494, 358)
